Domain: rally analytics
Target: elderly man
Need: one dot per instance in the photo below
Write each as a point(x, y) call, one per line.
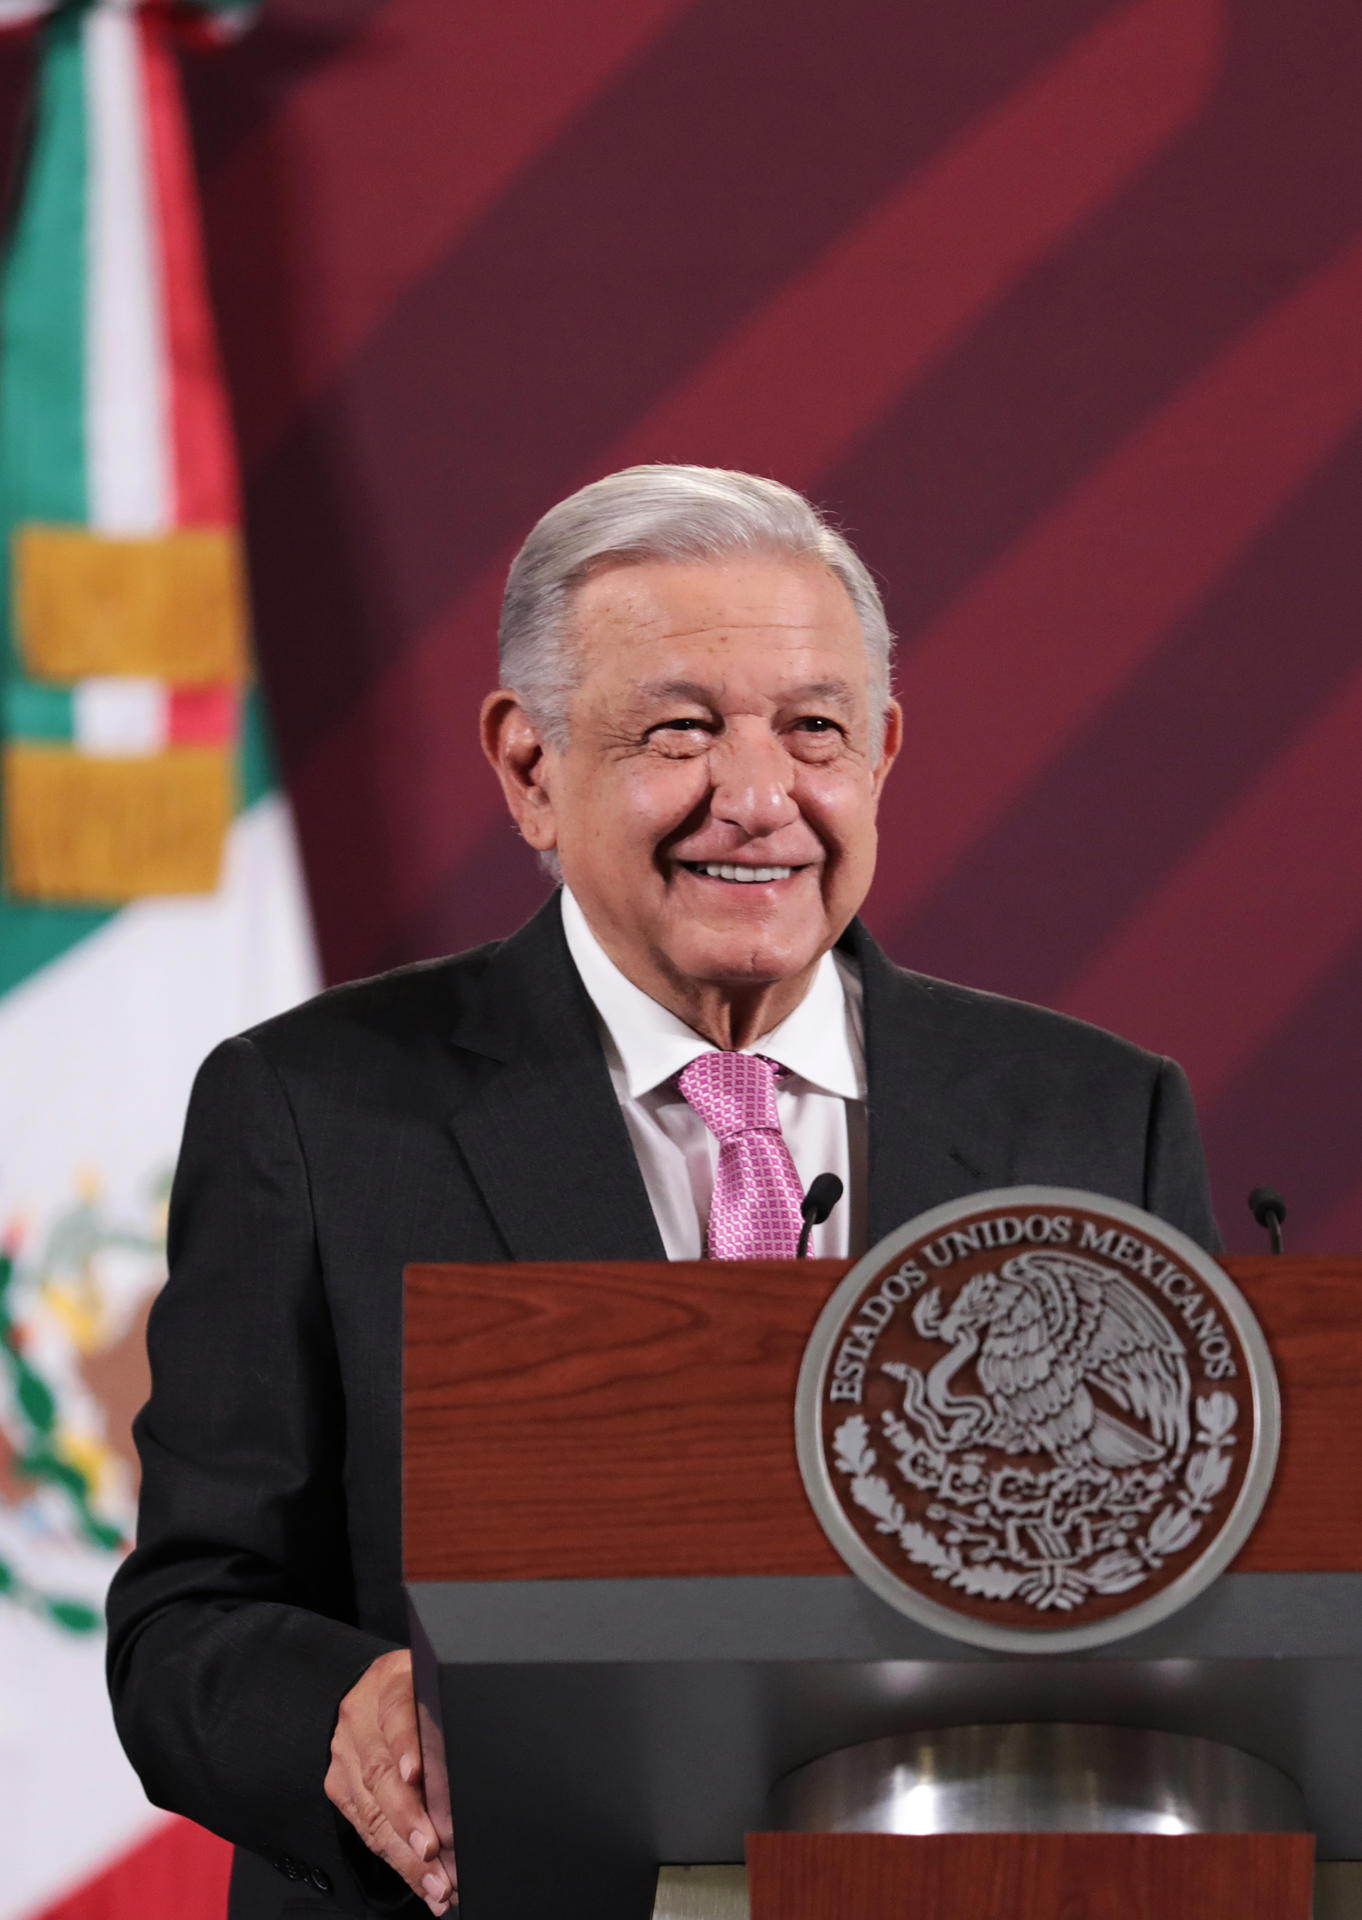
point(695, 726)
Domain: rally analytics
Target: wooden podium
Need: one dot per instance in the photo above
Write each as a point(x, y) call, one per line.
point(628, 1624)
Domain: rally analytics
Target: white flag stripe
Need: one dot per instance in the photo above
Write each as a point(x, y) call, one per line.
point(97, 1052)
point(120, 716)
point(126, 399)
point(58, 1753)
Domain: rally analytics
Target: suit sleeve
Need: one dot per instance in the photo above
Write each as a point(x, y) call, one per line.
point(1176, 1186)
point(231, 1635)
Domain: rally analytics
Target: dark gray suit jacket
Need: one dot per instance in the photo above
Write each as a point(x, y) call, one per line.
point(461, 1110)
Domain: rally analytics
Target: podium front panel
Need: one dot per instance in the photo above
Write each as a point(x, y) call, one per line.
point(631, 1626)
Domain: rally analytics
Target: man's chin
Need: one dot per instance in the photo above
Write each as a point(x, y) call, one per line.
point(739, 959)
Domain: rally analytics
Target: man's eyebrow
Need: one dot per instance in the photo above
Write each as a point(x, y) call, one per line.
point(840, 691)
point(676, 690)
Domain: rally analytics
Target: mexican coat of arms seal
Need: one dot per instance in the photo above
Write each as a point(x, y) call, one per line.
point(1037, 1419)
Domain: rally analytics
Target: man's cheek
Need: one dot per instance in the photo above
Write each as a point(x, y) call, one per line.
point(659, 798)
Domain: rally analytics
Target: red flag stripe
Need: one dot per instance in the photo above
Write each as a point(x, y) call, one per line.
point(206, 488)
point(1005, 192)
point(201, 716)
point(398, 120)
point(1058, 625)
point(1253, 919)
point(178, 1872)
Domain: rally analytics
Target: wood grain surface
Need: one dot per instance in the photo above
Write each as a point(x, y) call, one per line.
point(1029, 1876)
point(623, 1419)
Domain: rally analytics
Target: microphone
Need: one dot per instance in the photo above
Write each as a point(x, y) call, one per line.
point(1268, 1209)
point(825, 1190)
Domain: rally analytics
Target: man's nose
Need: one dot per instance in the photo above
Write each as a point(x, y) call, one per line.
point(753, 782)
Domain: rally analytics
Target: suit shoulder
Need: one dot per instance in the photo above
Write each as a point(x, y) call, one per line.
point(994, 1028)
point(425, 996)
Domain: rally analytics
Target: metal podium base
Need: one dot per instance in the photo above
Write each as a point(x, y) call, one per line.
point(1039, 1778)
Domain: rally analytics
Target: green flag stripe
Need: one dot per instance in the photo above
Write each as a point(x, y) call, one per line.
point(42, 397)
point(42, 314)
point(258, 774)
point(42, 309)
point(36, 710)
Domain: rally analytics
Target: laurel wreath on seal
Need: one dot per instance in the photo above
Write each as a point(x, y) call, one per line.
point(970, 1565)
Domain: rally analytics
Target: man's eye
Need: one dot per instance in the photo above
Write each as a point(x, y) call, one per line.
point(685, 734)
point(817, 723)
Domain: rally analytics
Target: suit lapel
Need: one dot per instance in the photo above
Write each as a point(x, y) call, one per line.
point(933, 1134)
point(540, 1128)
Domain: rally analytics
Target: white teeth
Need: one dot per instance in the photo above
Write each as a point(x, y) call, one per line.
point(716, 870)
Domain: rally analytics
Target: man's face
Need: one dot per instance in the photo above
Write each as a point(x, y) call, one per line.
point(714, 809)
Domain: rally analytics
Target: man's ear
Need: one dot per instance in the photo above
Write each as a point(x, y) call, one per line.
point(893, 740)
point(513, 745)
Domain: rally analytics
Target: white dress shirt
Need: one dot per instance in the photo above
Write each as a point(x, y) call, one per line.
point(820, 1101)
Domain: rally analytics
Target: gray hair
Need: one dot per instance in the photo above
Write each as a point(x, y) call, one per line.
point(662, 513)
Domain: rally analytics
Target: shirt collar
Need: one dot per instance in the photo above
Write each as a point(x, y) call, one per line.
point(820, 1041)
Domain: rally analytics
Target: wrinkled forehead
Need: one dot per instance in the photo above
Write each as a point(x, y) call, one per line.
point(652, 616)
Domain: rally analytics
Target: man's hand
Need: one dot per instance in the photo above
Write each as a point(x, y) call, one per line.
point(375, 1778)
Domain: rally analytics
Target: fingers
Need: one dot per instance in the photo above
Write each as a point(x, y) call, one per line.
point(375, 1778)
point(411, 1858)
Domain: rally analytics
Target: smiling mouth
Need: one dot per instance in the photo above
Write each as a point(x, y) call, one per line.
point(726, 870)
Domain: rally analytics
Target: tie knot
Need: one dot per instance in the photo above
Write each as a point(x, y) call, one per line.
point(732, 1092)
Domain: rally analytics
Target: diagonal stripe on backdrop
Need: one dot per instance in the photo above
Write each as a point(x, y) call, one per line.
point(1141, 298)
point(1342, 1231)
point(847, 334)
point(1121, 804)
point(878, 308)
point(1059, 624)
point(1252, 920)
point(1290, 1116)
point(1023, 661)
point(390, 124)
point(686, 196)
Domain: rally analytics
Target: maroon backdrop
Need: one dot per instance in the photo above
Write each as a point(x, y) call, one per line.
point(1058, 307)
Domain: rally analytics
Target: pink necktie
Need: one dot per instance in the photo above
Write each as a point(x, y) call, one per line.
point(754, 1214)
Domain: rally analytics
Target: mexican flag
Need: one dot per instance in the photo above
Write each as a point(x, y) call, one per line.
point(150, 894)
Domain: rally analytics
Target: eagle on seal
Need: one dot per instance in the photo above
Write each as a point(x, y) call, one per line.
point(1072, 1359)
